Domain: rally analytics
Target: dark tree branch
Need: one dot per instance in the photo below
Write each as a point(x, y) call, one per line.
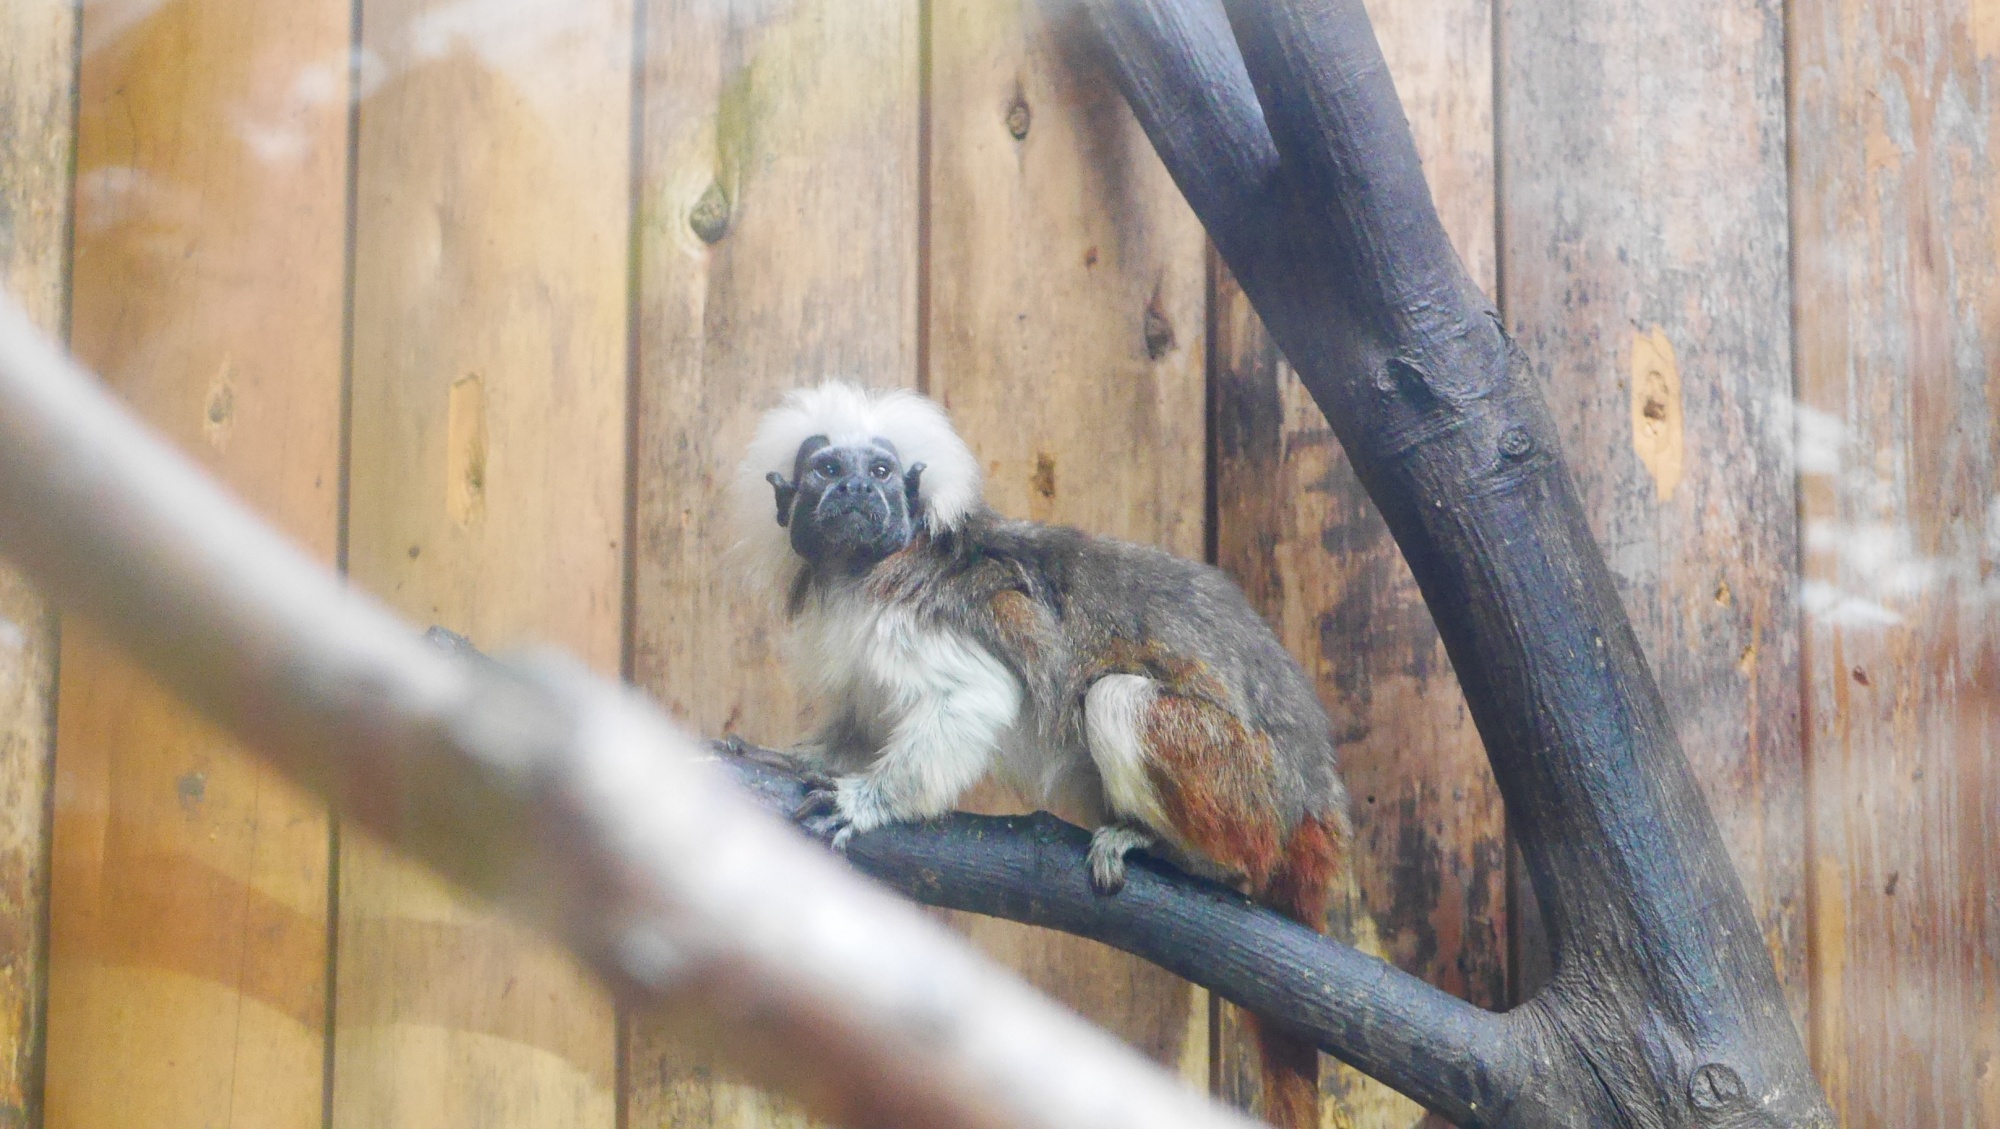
point(1461, 1060)
point(1279, 121)
point(1453, 1057)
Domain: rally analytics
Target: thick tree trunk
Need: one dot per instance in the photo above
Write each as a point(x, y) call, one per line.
point(1280, 123)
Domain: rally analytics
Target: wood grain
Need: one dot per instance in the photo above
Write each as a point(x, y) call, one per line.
point(778, 247)
point(188, 956)
point(488, 495)
point(1644, 266)
point(1297, 530)
point(1895, 112)
point(37, 140)
point(1067, 337)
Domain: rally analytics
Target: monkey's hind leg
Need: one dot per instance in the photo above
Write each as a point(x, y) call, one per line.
point(1188, 771)
point(1109, 845)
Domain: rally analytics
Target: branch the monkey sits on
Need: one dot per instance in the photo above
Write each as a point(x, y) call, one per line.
point(943, 642)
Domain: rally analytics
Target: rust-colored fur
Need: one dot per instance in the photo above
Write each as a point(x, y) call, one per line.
point(1214, 781)
point(1299, 889)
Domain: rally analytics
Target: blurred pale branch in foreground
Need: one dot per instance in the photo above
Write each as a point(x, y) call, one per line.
point(572, 803)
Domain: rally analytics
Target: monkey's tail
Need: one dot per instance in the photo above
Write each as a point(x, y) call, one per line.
point(1315, 853)
point(1291, 1077)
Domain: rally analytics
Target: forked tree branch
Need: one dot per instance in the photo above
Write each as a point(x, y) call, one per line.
point(1441, 1051)
point(571, 802)
point(1279, 121)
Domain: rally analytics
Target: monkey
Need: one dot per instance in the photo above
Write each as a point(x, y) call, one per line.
point(942, 642)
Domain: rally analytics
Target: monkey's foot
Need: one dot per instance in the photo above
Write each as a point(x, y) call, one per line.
point(1109, 845)
point(822, 814)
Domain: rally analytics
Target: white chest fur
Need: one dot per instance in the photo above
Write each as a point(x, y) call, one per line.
point(937, 705)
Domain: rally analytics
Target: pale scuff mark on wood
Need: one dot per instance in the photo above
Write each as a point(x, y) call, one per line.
point(1657, 430)
point(465, 451)
point(1985, 21)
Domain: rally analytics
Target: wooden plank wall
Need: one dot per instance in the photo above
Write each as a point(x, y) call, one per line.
point(37, 135)
point(1645, 271)
point(188, 976)
point(492, 227)
point(494, 337)
point(1895, 209)
point(779, 215)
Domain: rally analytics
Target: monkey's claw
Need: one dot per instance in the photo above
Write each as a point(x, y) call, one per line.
point(820, 800)
point(819, 814)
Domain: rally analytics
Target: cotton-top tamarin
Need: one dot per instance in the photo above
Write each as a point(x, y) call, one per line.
point(943, 642)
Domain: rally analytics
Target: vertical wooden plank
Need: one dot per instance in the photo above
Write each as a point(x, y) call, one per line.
point(1067, 336)
point(1645, 271)
point(488, 494)
point(1896, 120)
point(778, 246)
point(1298, 532)
point(37, 139)
point(188, 932)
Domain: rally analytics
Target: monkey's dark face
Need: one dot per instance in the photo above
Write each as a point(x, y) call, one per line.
point(848, 507)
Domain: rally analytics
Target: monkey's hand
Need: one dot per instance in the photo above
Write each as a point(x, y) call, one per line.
point(838, 807)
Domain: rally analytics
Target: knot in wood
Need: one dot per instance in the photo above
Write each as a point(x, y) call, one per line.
point(1405, 376)
point(710, 217)
point(1715, 1088)
point(1159, 330)
point(1019, 118)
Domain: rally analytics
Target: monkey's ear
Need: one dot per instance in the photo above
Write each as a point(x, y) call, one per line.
point(785, 491)
point(911, 479)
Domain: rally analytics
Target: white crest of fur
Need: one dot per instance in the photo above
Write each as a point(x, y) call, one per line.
point(847, 414)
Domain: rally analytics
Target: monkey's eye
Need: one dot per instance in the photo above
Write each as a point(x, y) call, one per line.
point(826, 468)
point(879, 470)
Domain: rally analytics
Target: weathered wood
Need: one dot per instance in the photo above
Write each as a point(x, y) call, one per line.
point(1895, 112)
point(1646, 273)
point(188, 916)
point(37, 137)
point(1296, 154)
point(488, 494)
point(1067, 337)
point(778, 246)
point(1298, 531)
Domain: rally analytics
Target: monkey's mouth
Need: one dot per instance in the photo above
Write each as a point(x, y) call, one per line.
point(858, 525)
point(859, 512)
